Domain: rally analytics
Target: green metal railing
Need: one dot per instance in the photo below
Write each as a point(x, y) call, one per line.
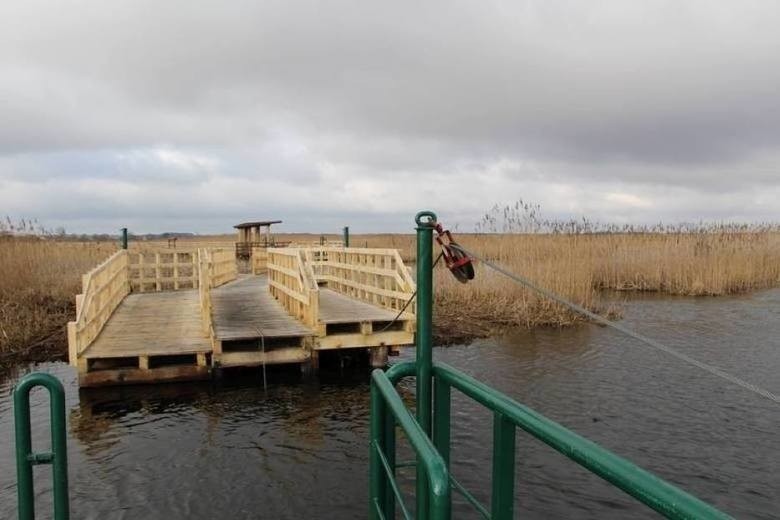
point(430, 435)
point(26, 458)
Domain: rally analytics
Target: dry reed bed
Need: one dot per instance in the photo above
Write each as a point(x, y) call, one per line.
point(38, 282)
point(579, 266)
point(39, 278)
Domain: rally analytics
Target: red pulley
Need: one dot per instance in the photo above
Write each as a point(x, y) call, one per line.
point(456, 260)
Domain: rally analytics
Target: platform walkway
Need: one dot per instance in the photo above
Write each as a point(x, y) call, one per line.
point(135, 323)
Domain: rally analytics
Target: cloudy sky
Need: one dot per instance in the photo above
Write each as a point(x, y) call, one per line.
point(191, 116)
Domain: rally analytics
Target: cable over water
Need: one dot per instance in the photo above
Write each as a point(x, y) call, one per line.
point(639, 337)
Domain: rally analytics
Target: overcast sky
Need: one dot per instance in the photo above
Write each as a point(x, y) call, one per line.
point(192, 116)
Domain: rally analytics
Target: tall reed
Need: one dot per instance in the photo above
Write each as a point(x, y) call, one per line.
point(38, 281)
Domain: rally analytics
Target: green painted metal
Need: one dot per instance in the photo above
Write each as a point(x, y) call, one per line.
point(346, 236)
point(123, 238)
point(508, 415)
point(426, 222)
point(502, 503)
point(26, 459)
point(661, 496)
point(387, 407)
point(441, 419)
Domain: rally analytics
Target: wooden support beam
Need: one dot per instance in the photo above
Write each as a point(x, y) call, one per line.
point(378, 356)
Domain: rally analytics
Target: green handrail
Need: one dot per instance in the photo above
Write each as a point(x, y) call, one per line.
point(434, 383)
point(26, 458)
point(654, 492)
point(387, 410)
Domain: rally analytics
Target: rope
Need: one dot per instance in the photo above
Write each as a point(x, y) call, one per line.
point(262, 347)
point(411, 298)
point(639, 337)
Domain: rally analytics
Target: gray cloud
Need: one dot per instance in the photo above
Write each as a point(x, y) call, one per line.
point(329, 104)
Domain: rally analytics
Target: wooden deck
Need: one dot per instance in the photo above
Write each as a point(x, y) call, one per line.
point(156, 332)
point(350, 323)
point(308, 300)
point(337, 308)
point(244, 309)
point(251, 328)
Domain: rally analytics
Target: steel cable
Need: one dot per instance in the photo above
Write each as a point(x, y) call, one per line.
point(639, 337)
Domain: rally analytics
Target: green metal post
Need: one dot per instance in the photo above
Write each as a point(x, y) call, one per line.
point(441, 418)
point(426, 220)
point(346, 236)
point(377, 478)
point(503, 500)
point(26, 459)
point(123, 240)
point(389, 438)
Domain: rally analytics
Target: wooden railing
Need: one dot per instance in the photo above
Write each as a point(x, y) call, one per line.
point(376, 276)
point(204, 291)
point(103, 289)
point(155, 271)
point(223, 266)
point(259, 260)
point(215, 267)
point(292, 282)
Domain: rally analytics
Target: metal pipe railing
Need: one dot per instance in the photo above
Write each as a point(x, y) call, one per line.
point(387, 410)
point(434, 383)
point(26, 458)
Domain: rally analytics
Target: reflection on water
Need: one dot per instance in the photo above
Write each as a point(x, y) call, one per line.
point(299, 449)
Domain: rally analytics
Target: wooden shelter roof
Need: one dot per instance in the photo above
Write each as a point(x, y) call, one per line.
point(256, 224)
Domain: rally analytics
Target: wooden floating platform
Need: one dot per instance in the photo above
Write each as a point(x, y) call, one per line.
point(247, 319)
point(150, 336)
point(350, 323)
point(307, 300)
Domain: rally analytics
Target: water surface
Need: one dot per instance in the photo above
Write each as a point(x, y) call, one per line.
point(299, 448)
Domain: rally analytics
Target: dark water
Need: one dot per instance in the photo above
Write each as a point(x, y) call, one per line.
point(299, 449)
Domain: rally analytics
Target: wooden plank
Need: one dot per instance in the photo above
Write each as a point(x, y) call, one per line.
point(271, 357)
point(337, 308)
point(153, 324)
point(390, 337)
point(125, 376)
point(245, 309)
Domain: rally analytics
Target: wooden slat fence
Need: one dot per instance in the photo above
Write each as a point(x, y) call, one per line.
point(215, 267)
point(376, 276)
point(259, 260)
point(103, 289)
point(167, 270)
point(223, 266)
point(292, 282)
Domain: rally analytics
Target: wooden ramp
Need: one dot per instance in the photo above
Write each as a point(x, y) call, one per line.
point(150, 336)
point(252, 328)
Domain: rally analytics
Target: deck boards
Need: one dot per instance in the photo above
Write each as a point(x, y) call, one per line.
point(337, 308)
point(245, 309)
point(164, 323)
point(169, 323)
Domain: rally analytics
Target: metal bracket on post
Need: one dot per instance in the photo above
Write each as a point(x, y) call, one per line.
point(26, 459)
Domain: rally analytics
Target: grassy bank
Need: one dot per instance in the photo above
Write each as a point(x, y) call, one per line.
point(39, 278)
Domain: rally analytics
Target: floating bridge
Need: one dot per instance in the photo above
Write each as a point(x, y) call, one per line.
point(149, 316)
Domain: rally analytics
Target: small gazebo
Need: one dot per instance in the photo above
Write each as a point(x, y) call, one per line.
point(254, 234)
